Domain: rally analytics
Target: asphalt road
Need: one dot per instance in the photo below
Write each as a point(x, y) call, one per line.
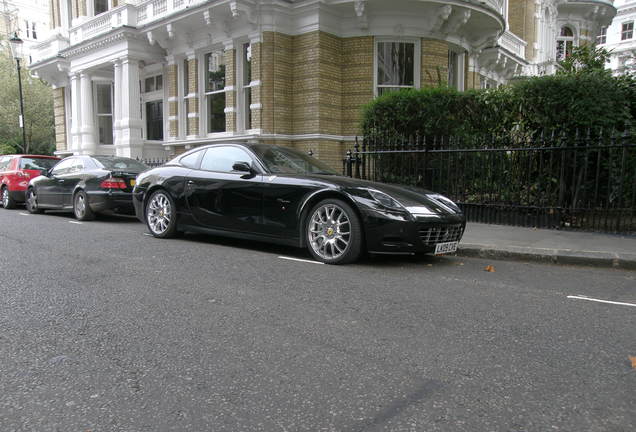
point(104, 328)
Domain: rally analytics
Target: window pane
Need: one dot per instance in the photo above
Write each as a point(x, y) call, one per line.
point(223, 158)
point(216, 112)
point(191, 160)
point(452, 69)
point(248, 111)
point(247, 64)
point(186, 89)
point(105, 124)
point(104, 105)
point(35, 163)
point(154, 120)
point(101, 6)
point(150, 84)
point(214, 74)
point(396, 63)
point(158, 82)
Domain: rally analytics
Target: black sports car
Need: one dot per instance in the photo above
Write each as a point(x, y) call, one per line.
point(87, 185)
point(277, 194)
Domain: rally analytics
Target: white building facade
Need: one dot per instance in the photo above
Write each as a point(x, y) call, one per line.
point(620, 38)
point(29, 19)
point(156, 77)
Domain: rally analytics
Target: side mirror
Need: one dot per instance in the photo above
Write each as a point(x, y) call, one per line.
point(46, 172)
point(242, 167)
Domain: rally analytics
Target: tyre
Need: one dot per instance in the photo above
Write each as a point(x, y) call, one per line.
point(32, 202)
point(161, 215)
point(334, 233)
point(81, 208)
point(5, 198)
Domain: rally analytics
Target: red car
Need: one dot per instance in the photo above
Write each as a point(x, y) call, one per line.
point(15, 173)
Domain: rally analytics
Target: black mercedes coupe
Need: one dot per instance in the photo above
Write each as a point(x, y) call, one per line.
point(280, 195)
point(86, 185)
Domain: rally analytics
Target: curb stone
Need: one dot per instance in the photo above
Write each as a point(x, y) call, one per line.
point(549, 256)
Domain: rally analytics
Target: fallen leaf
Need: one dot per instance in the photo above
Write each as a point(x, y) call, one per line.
point(633, 360)
point(489, 269)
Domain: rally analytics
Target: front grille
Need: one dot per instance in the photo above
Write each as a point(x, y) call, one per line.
point(441, 234)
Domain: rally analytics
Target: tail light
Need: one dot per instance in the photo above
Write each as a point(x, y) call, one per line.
point(113, 183)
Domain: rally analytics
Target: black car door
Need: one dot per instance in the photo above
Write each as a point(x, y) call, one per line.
point(49, 188)
point(220, 197)
point(68, 181)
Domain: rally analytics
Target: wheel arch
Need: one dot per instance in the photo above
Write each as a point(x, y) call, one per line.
point(314, 199)
point(152, 189)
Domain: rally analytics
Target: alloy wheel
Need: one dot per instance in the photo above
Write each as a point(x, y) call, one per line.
point(32, 201)
point(80, 206)
point(159, 213)
point(5, 197)
point(329, 231)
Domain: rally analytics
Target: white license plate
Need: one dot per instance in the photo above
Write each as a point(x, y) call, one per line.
point(444, 248)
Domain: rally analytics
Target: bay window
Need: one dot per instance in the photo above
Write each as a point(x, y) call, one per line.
point(565, 43)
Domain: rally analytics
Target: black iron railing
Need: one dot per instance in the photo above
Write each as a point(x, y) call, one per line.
point(153, 162)
point(581, 181)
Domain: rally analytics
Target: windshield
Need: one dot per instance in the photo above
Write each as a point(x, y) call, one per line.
point(283, 160)
point(37, 163)
point(120, 164)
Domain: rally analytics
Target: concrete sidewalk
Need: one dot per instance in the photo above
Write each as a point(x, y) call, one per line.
point(551, 246)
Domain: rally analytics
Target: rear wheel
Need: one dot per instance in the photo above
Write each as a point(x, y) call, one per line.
point(7, 201)
point(32, 202)
point(81, 209)
point(334, 233)
point(161, 215)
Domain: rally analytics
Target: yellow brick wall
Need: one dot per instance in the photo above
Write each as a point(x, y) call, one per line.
point(434, 63)
point(305, 83)
point(230, 96)
point(357, 81)
point(173, 107)
point(328, 151)
point(330, 84)
point(473, 80)
point(60, 118)
point(522, 23)
point(257, 49)
point(192, 103)
point(277, 76)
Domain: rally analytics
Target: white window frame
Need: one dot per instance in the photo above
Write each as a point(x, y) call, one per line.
point(624, 31)
point(241, 94)
point(602, 34)
point(203, 94)
point(565, 40)
point(417, 60)
point(96, 115)
point(461, 69)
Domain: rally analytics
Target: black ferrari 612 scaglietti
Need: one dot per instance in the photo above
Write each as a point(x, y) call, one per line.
point(86, 185)
point(280, 195)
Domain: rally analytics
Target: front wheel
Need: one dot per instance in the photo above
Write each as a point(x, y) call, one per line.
point(161, 215)
point(334, 233)
point(7, 201)
point(32, 202)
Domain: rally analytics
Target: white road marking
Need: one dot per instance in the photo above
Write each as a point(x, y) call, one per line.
point(299, 260)
point(25, 214)
point(148, 234)
point(75, 222)
point(601, 301)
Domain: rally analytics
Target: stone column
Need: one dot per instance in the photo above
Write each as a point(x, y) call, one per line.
point(130, 125)
point(89, 143)
point(173, 99)
point(76, 115)
point(117, 91)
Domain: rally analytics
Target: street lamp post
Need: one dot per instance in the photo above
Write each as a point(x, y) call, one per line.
point(16, 49)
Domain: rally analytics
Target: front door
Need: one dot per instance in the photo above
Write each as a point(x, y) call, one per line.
point(220, 197)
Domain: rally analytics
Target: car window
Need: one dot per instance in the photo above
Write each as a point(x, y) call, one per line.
point(4, 163)
point(64, 167)
point(190, 160)
point(37, 163)
point(119, 163)
point(223, 158)
point(78, 165)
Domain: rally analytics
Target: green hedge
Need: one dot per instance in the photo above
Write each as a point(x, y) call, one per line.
point(563, 103)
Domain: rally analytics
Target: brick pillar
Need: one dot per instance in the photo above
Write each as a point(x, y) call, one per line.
point(192, 101)
point(59, 107)
point(173, 101)
point(257, 110)
point(230, 96)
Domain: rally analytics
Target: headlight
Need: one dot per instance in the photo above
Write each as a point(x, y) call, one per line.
point(385, 200)
point(445, 202)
